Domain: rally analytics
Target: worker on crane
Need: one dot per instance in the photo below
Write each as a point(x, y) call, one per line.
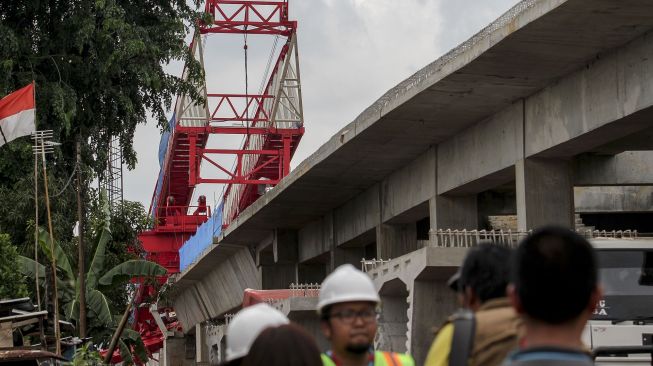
point(245, 326)
point(347, 309)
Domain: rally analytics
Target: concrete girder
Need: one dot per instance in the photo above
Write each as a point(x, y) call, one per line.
point(198, 302)
point(629, 168)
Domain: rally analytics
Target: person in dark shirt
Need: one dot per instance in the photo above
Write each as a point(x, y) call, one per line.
point(555, 290)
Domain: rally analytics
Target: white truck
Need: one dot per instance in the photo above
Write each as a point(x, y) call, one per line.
point(621, 329)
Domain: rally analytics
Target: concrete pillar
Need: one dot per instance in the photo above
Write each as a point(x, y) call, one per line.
point(279, 271)
point(393, 241)
point(278, 276)
point(351, 255)
point(201, 345)
point(311, 272)
point(432, 303)
point(175, 352)
point(216, 343)
point(545, 193)
point(311, 323)
point(453, 212)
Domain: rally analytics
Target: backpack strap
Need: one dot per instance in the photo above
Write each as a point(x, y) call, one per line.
point(462, 343)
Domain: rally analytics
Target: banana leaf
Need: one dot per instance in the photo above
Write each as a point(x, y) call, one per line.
point(125, 353)
point(63, 261)
point(97, 264)
point(98, 307)
point(131, 269)
point(137, 342)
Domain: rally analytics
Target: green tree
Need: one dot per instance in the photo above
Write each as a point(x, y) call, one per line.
point(12, 282)
point(128, 219)
point(99, 277)
point(99, 68)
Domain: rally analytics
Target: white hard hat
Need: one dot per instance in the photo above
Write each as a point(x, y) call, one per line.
point(346, 284)
point(247, 324)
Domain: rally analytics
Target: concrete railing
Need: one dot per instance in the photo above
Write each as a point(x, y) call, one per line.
point(304, 290)
point(470, 238)
point(615, 234)
point(370, 264)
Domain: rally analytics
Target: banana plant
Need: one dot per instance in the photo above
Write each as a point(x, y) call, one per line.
point(97, 278)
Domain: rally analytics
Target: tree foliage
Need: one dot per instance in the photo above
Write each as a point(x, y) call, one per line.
point(12, 282)
point(99, 277)
point(99, 68)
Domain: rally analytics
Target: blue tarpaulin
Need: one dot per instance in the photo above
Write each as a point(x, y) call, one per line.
point(163, 149)
point(203, 238)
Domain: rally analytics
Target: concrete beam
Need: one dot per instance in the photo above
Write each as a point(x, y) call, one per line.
point(409, 186)
point(357, 216)
point(629, 168)
point(198, 302)
point(608, 99)
point(483, 155)
point(613, 199)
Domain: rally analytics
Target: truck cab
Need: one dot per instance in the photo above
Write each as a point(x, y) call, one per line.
point(624, 317)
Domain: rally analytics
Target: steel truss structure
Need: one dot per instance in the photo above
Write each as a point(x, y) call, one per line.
point(112, 181)
point(270, 124)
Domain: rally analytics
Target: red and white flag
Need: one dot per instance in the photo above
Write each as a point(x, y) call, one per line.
point(17, 114)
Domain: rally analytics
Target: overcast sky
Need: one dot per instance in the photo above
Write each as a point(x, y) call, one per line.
point(351, 52)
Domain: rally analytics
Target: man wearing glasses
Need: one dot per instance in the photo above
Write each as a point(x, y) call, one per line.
point(347, 308)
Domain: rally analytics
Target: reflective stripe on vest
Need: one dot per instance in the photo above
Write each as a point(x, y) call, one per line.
point(381, 358)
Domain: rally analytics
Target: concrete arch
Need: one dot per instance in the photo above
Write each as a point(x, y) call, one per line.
point(392, 334)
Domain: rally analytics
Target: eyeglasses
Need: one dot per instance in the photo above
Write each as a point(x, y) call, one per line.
point(349, 316)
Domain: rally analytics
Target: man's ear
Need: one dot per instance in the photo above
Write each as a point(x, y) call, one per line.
point(325, 326)
point(514, 299)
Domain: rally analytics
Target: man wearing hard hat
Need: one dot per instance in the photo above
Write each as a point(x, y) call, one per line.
point(347, 309)
point(245, 326)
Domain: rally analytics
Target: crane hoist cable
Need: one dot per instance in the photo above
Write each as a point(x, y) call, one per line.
point(246, 83)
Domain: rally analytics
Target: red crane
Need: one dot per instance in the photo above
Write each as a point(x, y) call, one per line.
point(270, 124)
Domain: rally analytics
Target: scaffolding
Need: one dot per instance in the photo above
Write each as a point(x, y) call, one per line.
point(111, 181)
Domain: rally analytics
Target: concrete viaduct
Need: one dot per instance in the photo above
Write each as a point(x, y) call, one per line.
point(525, 118)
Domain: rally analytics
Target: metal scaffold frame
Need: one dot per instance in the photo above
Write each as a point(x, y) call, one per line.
point(112, 179)
point(270, 124)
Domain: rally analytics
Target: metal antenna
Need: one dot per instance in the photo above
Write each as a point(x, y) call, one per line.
point(42, 146)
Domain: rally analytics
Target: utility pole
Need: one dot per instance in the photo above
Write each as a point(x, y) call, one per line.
point(80, 247)
point(118, 332)
point(36, 242)
point(41, 148)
